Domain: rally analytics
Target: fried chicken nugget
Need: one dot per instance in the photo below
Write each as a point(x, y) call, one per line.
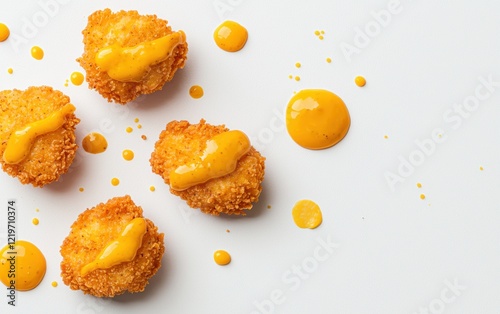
point(51, 154)
point(231, 194)
point(127, 29)
point(91, 232)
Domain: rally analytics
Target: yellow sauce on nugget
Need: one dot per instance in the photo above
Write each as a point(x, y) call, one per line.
point(121, 250)
point(219, 158)
point(131, 64)
point(230, 36)
point(317, 118)
point(20, 141)
point(28, 262)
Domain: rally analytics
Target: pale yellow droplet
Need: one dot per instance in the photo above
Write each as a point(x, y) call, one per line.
point(307, 214)
point(35, 221)
point(317, 33)
point(54, 284)
point(298, 65)
point(129, 129)
point(152, 188)
point(386, 137)
point(329, 60)
point(419, 185)
point(136, 120)
point(321, 37)
point(422, 196)
point(10, 70)
point(297, 78)
point(481, 168)
point(115, 181)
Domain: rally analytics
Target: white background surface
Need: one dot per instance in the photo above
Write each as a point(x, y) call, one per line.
point(396, 253)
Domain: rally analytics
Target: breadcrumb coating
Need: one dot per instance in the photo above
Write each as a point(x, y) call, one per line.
point(51, 153)
point(91, 232)
point(127, 29)
point(231, 194)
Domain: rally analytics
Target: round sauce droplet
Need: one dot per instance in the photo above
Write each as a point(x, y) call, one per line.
point(54, 284)
point(297, 78)
point(94, 143)
point(360, 81)
point(76, 78)
point(37, 52)
point(35, 221)
point(196, 91)
point(129, 129)
point(4, 32)
point(152, 188)
point(10, 71)
point(422, 196)
point(222, 257)
point(29, 265)
point(136, 120)
point(317, 118)
point(419, 185)
point(128, 154)
point(298, 65)
point(230, 36)
point(115, 181)
point(81, 189)
point(307, 214)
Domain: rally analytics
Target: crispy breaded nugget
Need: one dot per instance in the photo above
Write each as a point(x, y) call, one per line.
point(127, 29)
point(91, 232)
point(230, 194)
point(52, 153)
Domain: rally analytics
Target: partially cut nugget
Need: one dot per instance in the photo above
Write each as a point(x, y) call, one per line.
point(127, 54)
point(180, 152)
point(37, 134)
point(99, 237)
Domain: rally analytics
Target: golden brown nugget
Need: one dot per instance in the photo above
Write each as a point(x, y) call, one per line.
point(231, 194)
point(51, 154)
point(127, 29)
point(92, 231)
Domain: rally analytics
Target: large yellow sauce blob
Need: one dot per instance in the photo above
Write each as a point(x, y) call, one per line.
point(317, 118)
point(22, 266)
point(230, 36)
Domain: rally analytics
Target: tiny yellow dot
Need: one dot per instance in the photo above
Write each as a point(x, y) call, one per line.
point(269, 206)
point(152, 188)
point(35, 221)
point(115, 181)
point(360, 81)
point(297, 78)
point(37, 210)
point(298, 65)
point(321, 37)
point(422, 196)
point(139, 126)
point(54, 284)
point(129, 129)
point(317, 33)
point(481, 168)
point(386, 137)
point(329, 60)
point(419, 185)
point(290, 76)
point(136, 120)
point(81, 189)
point(144, 137)
point(322, 32)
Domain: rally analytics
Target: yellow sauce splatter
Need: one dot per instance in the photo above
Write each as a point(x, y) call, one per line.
point(54, 284)
point(219, 158)
point(4, 32)
point(121, 250)
point(422, 196)
point(320, 37)
point(386, 137)
point(307, 214)
point(94, 143)
point(37, 52)
point(35, 221)
point(419, 185)
point(222, 257)
point(127, 154)
point(136, 120)
point(81, 189)
point(66, 83)
point(329, 60)
point(196, 91)
point(297, 78)
point(139, 126)
point(230, 36)
point(115, 181)
point(481, 168)
point(360, 81)
point(290, 76)
point(30, 265)
point(144, 137)
point(76, 78)
point(129, 129)
point(10, 71)
point(132, 64)
point(268, 206)
point(317, 118)
point(152, 188)
point(20, 141)
point(37, 210)
point(298, 65)
point(317, 33)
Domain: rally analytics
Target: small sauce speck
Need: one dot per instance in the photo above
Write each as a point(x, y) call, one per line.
point(4, 32)
point(317, 33)
point(307, 214)
point(66, 83)
point(128, 154)
point(298, 65)
point(10, 71)
point(328, 60)
point(317, 118)
point(422, 196)
point(222, 257)
point(37, 210)
point(139, 126)
point(320, 37)
point(196, 91)
point(54, 284)
point(35, 221)
point(290, 76)
point(360, 81)
point(152, 188)
point(297, 78)
point(129, 129)
point(115, 181)
point(81, 189)
point(386, 137)
point(268, 206)
point(481, 168)
point(37, 52)
point(136, 120)
point(94, 143)
point(144, 137)
point(228, 231)
point(76, 78)
point(419, 185)
point(230, 36)
point(30, 265)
